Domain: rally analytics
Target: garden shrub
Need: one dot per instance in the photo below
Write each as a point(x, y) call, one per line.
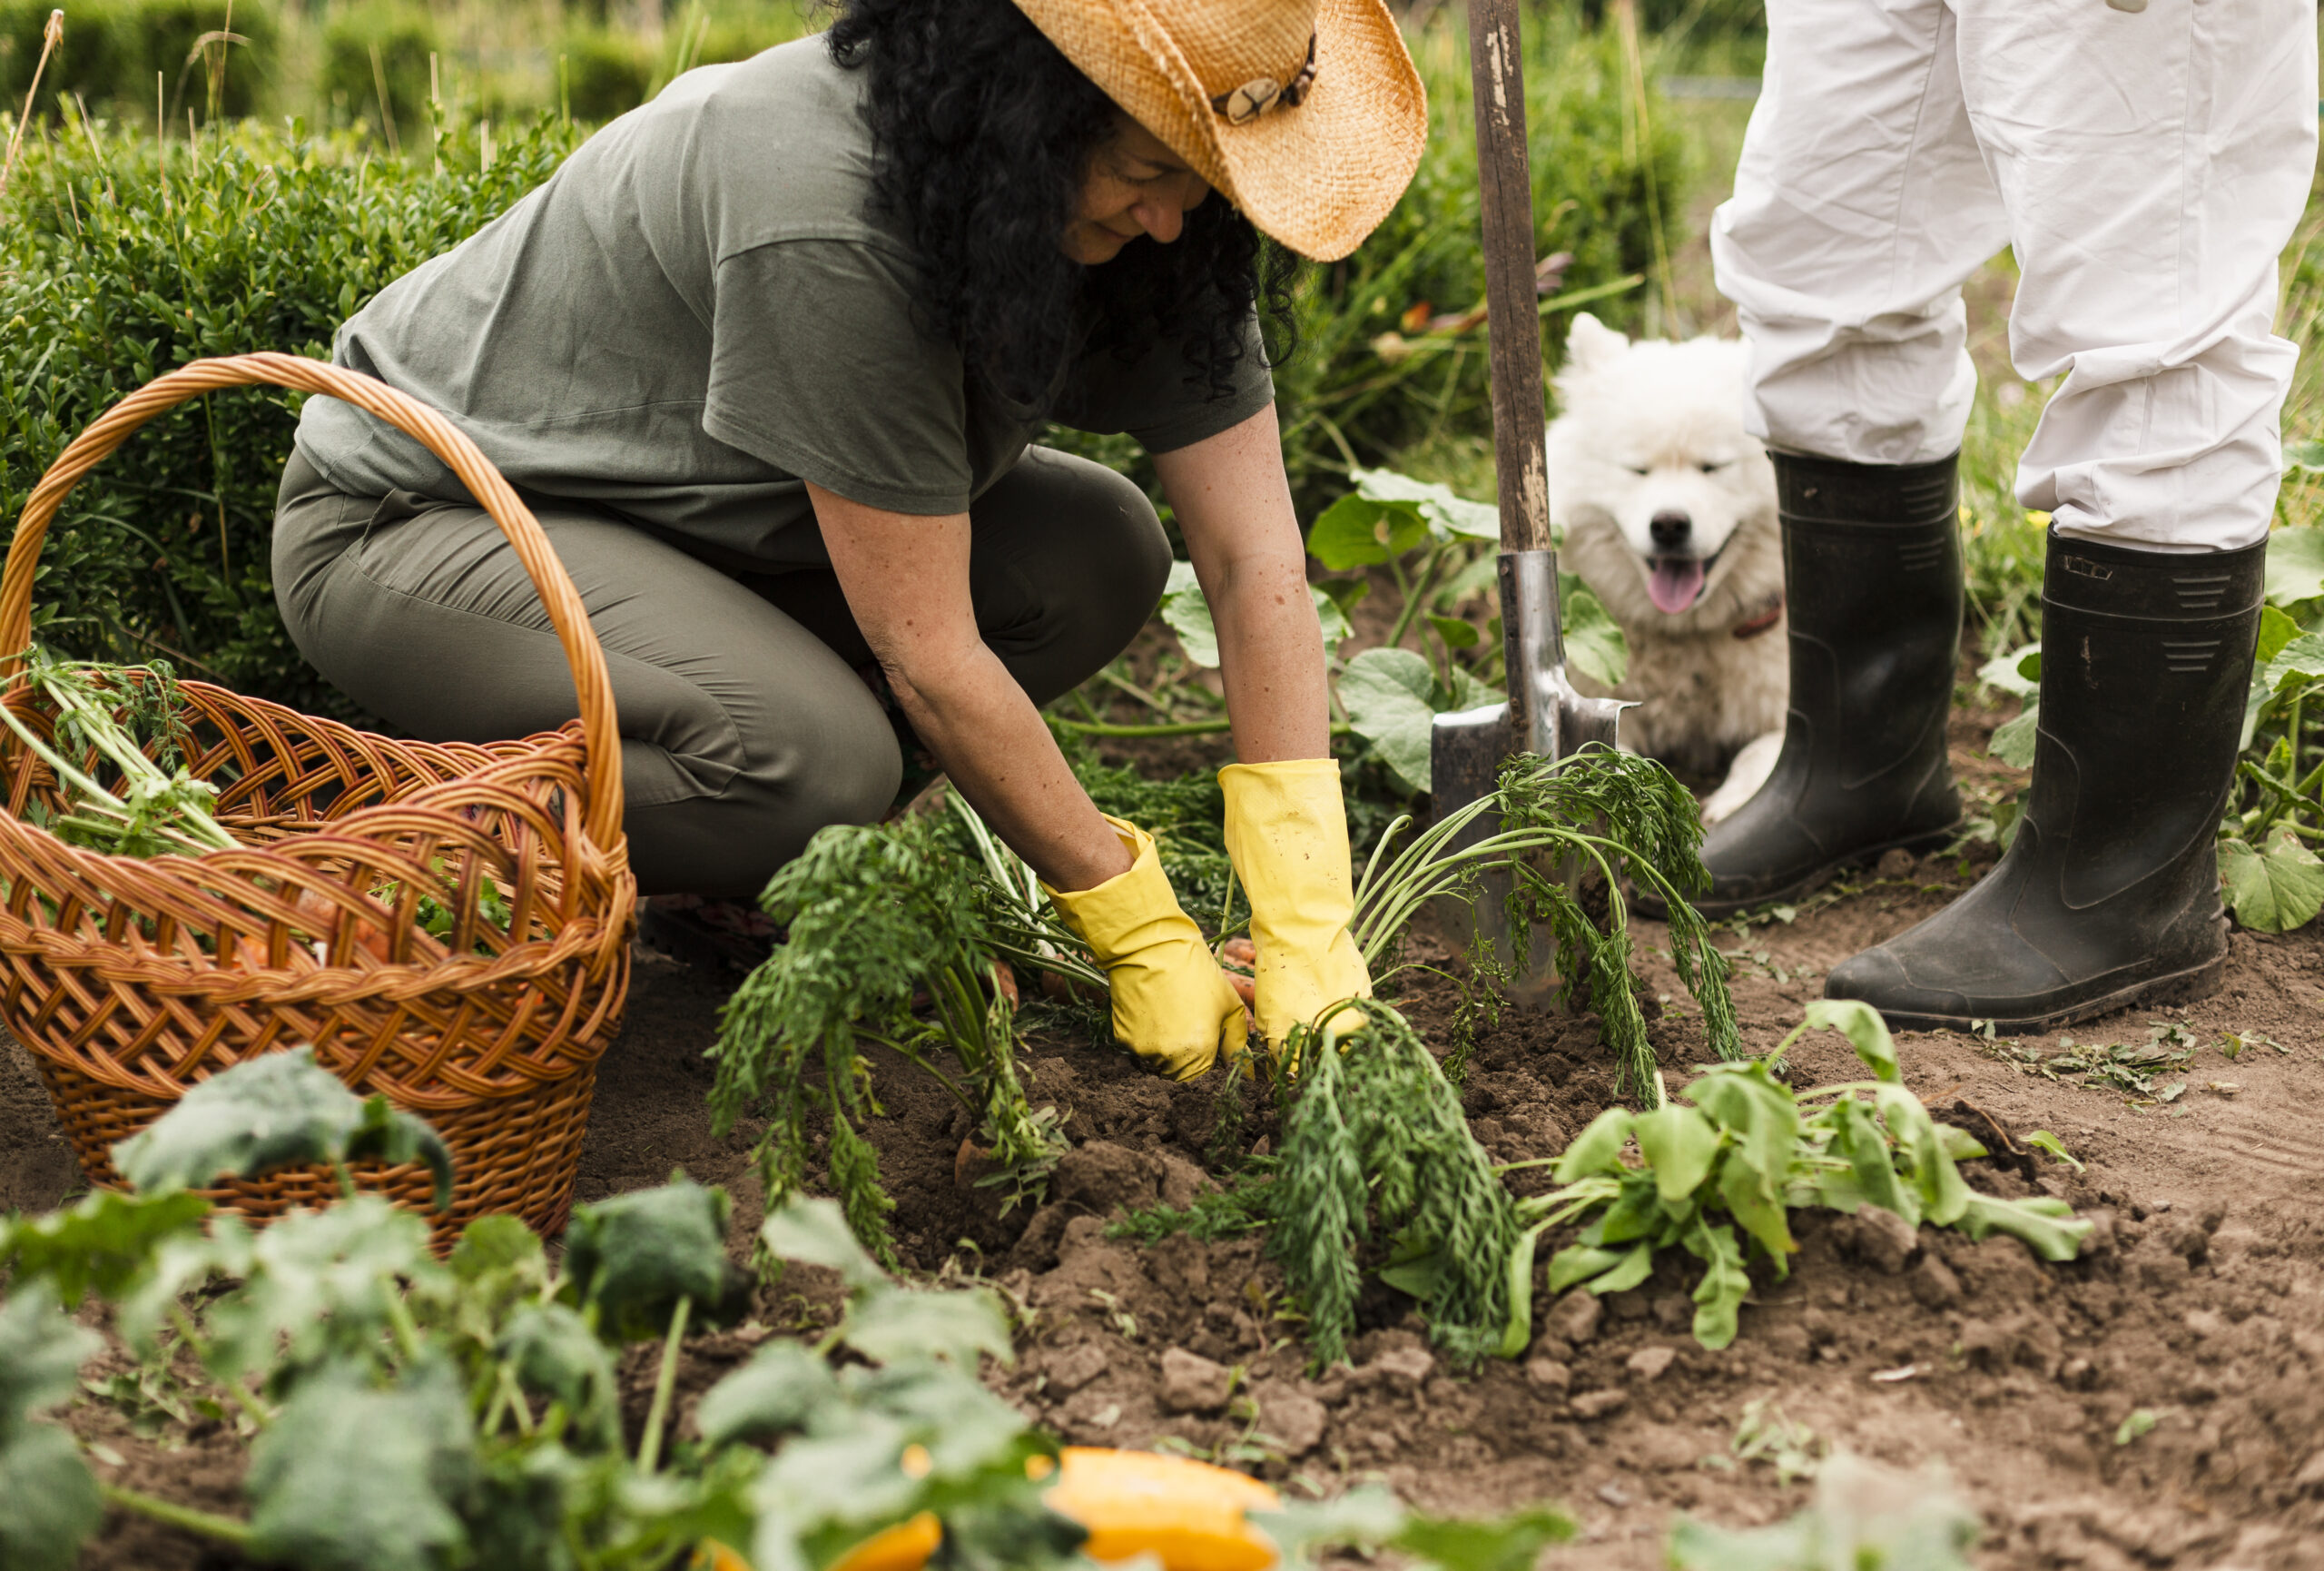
point(112, 49)
point(404, 36)
point(606, 73)
point(111, 274)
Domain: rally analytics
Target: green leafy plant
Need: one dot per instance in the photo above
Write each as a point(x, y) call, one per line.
point(1742, 1148)
point(407, 1414)
point(124, 723)
point(875, 915)
point(121, 259)
point(1622, 818)
point(1864, 1518)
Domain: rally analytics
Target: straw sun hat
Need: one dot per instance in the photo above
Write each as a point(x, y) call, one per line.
point(1307, 114)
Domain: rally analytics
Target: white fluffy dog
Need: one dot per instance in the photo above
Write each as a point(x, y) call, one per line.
point(1668, 512)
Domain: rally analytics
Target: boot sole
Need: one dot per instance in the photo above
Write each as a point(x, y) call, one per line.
point(1717, 910)
point(2172, 987)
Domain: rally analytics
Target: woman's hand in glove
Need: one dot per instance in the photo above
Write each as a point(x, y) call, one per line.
point(1286, 833)
point(1171, 1003)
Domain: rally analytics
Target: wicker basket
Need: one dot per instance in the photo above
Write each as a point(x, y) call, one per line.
point(129, 980)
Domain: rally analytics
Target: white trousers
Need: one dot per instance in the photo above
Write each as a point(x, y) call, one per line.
point(2146, 167)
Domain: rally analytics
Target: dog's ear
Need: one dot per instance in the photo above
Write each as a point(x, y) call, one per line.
point(1591, 345)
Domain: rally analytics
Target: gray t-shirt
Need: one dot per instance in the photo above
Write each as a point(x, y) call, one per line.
point(699, 312)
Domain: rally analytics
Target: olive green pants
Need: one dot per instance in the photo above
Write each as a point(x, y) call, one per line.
point(744, 725)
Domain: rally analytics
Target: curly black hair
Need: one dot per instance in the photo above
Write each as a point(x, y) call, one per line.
point(983, 130)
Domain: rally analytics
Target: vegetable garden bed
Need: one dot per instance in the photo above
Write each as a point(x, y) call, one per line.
point(2152, 1404)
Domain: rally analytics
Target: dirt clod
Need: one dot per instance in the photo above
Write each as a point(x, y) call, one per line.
point(1592, 1405)
point(1933, 1285)
point(1194, 1384)
point(1293, 1418)
point(1648, 1363)
point(1548, 1373)
point(1575, 1319)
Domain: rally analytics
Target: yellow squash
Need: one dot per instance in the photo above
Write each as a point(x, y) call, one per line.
point(1187, 1515)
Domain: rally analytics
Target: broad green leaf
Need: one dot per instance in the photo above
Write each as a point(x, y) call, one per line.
point(891, 1323)
point(1759, 1206)
point(1445, 513)
point(317, 1286)
point(2291, 667)
point(815, 1232)
point(2295, 566)
point(2306, 453)
point(1747, 1102)
point(1519, 1330)
point(1859, 1142)
point(49, 1503)
point(1333, 618)
point(1943, 1193)
point(2042, 1139)
point(101, 1243)
point(1455, 633)
point(2276, 630)
point(1594, 644)
point(1512, 1543)
point(1680, 1144)
point(41, 1355)
point(1357, 532)
point(2017, 672)
point(634, 1256)
point(2013, 739)
point(2047, 1227)
point(1187, 612)
point(1388, 694)
point(1577, 1263)
point(1718, 1297)
point(1865, 1030)
point(1632, 1270)
point(1363, 1519)
point(780, 1390)
point(1598, 1148)
point(1783, 1547)
point(1959, 1144)
point(280, 1110)
point(352, 1478)
point(553, 1352)
point(946, 1409)
point(2275, 888)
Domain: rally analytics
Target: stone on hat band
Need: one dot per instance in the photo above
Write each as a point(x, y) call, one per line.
point(1261, 94)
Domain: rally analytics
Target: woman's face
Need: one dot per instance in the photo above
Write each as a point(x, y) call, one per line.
point(1136, 186)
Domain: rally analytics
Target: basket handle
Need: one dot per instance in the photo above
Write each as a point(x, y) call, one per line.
point(601, 739)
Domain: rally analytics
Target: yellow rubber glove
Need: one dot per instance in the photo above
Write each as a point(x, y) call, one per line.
point(1286, 834)
point(1171, 1003)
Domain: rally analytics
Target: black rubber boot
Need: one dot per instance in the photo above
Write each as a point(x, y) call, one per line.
point(2109, 896)
point(1872, 575)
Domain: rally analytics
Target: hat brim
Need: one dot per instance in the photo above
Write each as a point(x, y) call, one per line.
point(1316, 176)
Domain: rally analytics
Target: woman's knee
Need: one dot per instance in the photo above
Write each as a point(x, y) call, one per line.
point(831, 762)
point(1075, 560)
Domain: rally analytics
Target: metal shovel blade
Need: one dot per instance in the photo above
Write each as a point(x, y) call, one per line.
point(1545, 716)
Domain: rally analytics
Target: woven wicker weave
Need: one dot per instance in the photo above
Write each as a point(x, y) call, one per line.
point(129, 980)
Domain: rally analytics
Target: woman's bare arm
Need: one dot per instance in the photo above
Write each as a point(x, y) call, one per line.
point(906, 579)
point(1234, 505)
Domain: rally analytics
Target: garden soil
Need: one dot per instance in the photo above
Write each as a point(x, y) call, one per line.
point(2159, 1403)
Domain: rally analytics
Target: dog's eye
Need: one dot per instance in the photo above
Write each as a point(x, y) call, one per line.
point(1638, 468)
point(1714, 469)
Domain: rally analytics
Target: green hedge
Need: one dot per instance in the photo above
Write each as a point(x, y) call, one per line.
point(366, 46)
point(110, 276)
point(113, 49)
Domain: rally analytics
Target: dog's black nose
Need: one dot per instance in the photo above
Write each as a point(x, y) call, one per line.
point(1670, 530)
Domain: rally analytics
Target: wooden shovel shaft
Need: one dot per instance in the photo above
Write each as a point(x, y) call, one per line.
point(1505, 182)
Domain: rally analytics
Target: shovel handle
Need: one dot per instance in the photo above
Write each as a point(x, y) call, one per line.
point(1505, 180)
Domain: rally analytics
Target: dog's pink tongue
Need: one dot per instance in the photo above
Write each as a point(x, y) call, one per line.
point(1675, 582)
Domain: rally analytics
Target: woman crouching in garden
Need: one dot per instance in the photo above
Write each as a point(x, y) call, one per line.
point(765, 357)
